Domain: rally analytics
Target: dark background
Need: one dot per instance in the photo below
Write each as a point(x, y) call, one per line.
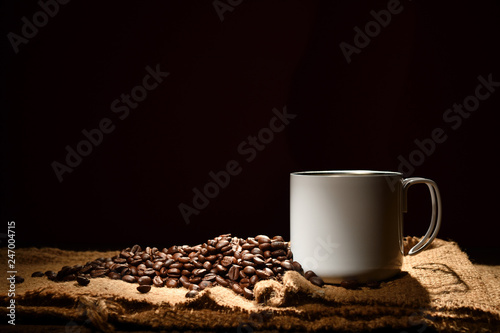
point(225, 79)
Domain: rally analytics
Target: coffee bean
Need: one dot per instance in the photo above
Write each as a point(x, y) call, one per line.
point(174, 271)
point(18, 279)
point(265, 246)
point(221, 244)
point(234, 272)
point(184, 280)
point(129, 278)
point(205, 284)
point(278, 253)
point(195, 279)
point(309, 274)
point(207, 265)
point(82, 281)
point(256, 250)
point(209, 277)
point(145, 280)
point(297, 267)
point(135, 248)
point(157, 265)
point(144, 288)
point(254, 279)
point(37, 274)
point(194, 287)
point(249, 270)
point(158, 281)
point(278, 238)
point(350, 284)
point(172, 283)
point(248, 293)
point(316, 280)
point(114, 275)
point(51, 275)
point(267, 254)
point(262, 275)
point(168, 263)
point(192, 293)
point(275, 245)
point(258, 261)
point(237, 288)
point(221, 281)
point(263, 239)
point(287, 265)
point(199, 271)
point(226, 261)
point(247, 246)
point(99, 273)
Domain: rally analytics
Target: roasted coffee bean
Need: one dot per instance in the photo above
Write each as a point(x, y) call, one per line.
point(251, 240)
point(297, 267)
point(309, 274)
point(211, 258)
point(172, 283)
point(144, 288)
point(276, 245)
point(135, 248)
point(256, 250)
point(248, 293)
point(244, 282)
point(205, 284)
point(287, 265)
point(237, 288)
point(157, 265)
point(316, 280)
point(262, 274)
point(51, 275)
point(199, 271)
point(350, 284)
point(258, 261)
point(114, 275)
point(99, 273)
point(82, 281)
point(185, 272)
point(150, 272)
point(221, 244)
point(247, 246)
point(149, 264)
point(247, 263)
point(18, 279)
point(195, 279)
point(70, 277)
point(263, 239)
point(234, 272)
point(189, 266)
point(158, 281)
point(168, 262)
point(249, 270)
point(268, 271)
point(174, 271)
point(184, 280)
point(145, 280)
point(373, 284)
point(209, 277)
point(207, 265)
point(226, 250)
point(193, 287)
point(278, 238)
point(37, 274)
point(278, 253)
point(120, 260)
point(267, 254)
point(129, 278)
point(226, 261)
point(265, 246)
point(221, 281)
point(253, 279)
point(192, 293)
point(184, 260)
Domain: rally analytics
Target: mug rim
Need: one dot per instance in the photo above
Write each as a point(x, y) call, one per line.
point(346, 173)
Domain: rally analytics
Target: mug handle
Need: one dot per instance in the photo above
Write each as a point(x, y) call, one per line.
point(436, 211)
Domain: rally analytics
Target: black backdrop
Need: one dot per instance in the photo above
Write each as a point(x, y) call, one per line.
point(232, 67)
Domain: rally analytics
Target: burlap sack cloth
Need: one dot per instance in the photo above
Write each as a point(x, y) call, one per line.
point(439, 289)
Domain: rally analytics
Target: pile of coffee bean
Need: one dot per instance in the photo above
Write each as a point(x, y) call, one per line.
point(226, 261)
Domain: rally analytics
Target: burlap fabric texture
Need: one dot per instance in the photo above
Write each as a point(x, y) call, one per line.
point(438, 289)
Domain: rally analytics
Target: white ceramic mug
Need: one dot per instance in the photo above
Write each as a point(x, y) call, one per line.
point(349, 224)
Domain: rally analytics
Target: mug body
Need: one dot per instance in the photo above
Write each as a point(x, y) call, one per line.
point(347, 224)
